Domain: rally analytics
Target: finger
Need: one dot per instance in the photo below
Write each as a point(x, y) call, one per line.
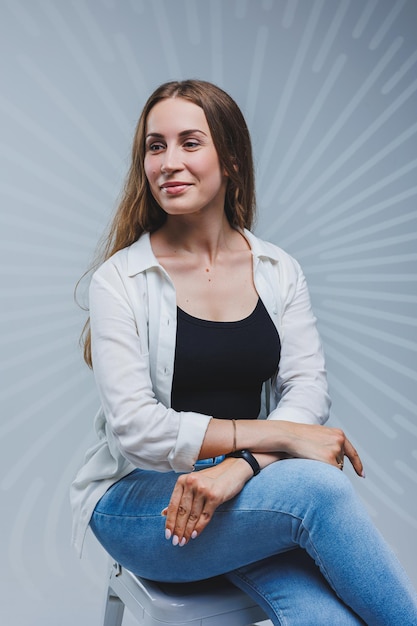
point(197, 514)
point(185, 508)
point(354, 458)
point(172, 509)
point(204, 519)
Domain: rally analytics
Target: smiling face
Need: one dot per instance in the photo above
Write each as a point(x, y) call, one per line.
point(181, 163)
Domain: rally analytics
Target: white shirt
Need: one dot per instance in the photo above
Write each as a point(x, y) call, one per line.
point(133, 314)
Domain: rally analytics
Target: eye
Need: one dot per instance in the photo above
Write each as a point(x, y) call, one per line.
point(156, 146)
point(191, 144)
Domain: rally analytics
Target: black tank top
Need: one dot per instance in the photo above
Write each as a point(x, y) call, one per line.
point(220, 366)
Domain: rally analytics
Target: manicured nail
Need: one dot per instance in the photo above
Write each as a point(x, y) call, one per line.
point(175, 540)
point(363, 474)
point(194, 534)
point(168, 533)
point(164, 511)
point(182, 542)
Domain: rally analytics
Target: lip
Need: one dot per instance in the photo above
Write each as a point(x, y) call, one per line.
point(174, 187)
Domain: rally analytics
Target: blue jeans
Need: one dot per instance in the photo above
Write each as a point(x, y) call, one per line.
point(297, 539)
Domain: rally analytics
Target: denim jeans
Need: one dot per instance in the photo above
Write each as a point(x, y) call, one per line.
point(296, 538)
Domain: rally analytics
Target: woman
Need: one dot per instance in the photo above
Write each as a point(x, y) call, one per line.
point(190, 315)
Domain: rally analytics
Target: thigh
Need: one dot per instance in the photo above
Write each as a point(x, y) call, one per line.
point(292, 592)
point(260, 521)
point(128, 523)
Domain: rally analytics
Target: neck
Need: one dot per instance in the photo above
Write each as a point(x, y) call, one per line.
point(200, 235)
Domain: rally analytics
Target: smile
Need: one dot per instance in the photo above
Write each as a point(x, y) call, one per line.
point(175, 187)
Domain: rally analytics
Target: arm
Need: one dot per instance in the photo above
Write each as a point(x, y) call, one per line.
point(300, 390)
point(197, 495)
point(138, 426)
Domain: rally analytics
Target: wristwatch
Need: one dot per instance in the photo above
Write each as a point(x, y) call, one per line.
point(249, 458)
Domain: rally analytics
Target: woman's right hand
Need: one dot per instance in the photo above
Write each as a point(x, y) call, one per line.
point(320, 443)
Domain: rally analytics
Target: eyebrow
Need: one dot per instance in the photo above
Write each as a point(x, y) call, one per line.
point(183, 133)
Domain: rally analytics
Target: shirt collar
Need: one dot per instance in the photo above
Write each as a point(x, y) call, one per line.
point(261, 249)
point(140, 256)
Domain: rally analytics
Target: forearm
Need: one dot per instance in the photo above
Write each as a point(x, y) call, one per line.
point(281, 438)
point(222, 436)
point(266, 458)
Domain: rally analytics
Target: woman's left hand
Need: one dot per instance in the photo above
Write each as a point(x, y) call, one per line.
point(197, 495)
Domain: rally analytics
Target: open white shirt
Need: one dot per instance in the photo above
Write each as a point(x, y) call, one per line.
point(133, 314)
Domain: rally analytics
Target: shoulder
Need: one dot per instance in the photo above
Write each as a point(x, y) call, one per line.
point(128, 262)
point(269, 252)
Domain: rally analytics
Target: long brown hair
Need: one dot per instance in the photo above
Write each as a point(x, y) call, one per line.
point(138, 212)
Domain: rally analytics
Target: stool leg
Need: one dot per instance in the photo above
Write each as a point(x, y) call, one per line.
point(113, 614)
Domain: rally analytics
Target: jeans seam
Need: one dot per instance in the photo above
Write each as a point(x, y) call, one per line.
point(317, 559)
point(266, 596)
point(124, 516)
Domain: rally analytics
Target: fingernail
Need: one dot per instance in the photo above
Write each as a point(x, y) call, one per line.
point(194, 534)
point(168, 533)
point(363, 474)
point(182, 542)
point(164, 511)
point(175, 540)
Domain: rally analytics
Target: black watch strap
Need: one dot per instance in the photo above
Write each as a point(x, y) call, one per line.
point(249, 458)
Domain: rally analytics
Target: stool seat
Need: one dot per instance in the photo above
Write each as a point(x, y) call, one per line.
point(211, 602)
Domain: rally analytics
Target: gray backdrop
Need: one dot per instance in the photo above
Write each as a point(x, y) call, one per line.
point(329, 91)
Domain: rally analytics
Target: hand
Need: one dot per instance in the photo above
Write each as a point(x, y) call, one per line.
point(197, 495)
point(321, 443)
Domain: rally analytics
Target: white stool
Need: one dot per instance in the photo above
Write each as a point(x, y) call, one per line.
point(213, 602)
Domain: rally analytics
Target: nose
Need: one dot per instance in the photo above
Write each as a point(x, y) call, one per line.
point(171, 161)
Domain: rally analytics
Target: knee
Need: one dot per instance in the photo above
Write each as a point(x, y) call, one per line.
point(322, 484)
point(330, 489)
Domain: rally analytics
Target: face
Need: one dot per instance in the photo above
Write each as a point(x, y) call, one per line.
point(181, 162)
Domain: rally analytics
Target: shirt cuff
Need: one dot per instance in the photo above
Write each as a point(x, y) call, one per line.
point(192, 430)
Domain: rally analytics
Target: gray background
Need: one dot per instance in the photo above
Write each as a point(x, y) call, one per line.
point(329, 91)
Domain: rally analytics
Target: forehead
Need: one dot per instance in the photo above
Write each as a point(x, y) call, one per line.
point(174, 115)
